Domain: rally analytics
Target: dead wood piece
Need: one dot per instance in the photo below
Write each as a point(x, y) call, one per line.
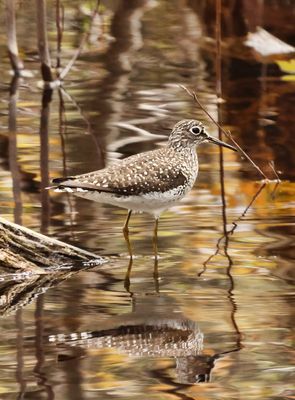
point(25, 250)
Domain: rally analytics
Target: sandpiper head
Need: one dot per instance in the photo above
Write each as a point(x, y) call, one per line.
point(190, 133)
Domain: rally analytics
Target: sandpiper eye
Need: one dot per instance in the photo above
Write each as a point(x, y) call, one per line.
point(196, 130)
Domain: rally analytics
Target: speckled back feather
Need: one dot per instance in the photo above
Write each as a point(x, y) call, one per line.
point(154, 171)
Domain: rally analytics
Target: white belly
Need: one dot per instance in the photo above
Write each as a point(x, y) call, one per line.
point(153, 203)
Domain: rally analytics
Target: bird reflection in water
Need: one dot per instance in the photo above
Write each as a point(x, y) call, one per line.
point(159, 338)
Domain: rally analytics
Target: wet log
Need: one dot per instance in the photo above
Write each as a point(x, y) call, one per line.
point(22, 249)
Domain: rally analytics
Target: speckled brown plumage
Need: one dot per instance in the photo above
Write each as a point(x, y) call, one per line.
point(154, 171)
point(150, 181)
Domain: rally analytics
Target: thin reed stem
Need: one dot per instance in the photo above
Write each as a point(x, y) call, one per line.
point(42, 39)
point(59, 31)
point(16, 63)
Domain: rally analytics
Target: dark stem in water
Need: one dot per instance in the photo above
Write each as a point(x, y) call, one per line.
point(13, 162)
point(62, 130)
point(38, 369)
point(42, 39)
point(19, 374)
point(44, 158)
point(222, 183)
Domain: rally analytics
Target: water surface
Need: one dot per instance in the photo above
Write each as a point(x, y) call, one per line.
point(218, 322)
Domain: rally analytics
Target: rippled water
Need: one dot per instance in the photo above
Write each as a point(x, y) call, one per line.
point(218, 322)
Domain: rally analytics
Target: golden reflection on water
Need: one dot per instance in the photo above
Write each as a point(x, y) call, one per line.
point(217, 323)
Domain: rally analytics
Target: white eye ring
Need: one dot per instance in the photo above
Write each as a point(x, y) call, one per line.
point(196, 130)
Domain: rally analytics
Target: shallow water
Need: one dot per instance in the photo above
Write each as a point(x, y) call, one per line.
point(218, 322)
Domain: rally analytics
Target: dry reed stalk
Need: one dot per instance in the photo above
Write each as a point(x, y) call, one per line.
point(16, 63)
point(43, 46)
point(59, 31)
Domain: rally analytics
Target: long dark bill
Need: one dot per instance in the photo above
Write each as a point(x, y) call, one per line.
point(220, 143)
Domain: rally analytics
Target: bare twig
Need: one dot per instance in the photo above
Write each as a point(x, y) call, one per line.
point(235, 223)
point(272, 166)
point(231, 231)
point(227, 133)
point(81, 112)
point(89, 129)
point(16, 62)
point(212, 256)
point(85, 37)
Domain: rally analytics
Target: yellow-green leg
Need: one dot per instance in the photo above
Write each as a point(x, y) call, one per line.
point(155, 238)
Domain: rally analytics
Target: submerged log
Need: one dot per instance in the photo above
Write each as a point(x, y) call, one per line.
point(31, 263)
point(22, 249)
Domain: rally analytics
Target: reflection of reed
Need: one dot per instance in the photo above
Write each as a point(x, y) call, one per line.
point(229, 232)
point(62, 133)
point(221, 175)
point(19, 374)
point(40, 358)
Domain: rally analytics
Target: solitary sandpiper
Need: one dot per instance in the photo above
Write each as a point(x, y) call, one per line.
point(147, 182)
